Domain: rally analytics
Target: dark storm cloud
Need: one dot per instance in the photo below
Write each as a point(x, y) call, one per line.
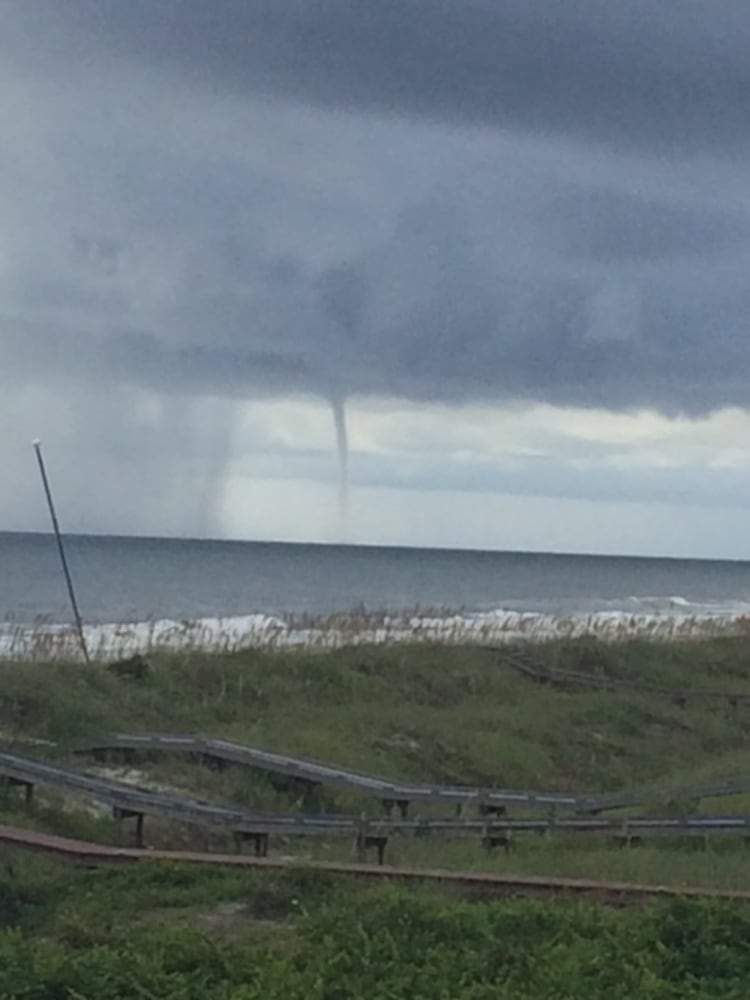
point(365, 255)
point(453, 340)
point(616, 228)
point(634, 73)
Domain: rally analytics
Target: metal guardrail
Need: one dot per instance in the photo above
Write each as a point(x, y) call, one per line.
point(523, 663)
point(132, 800)
point(129, 801)
point(720, 788)
point(314, 772)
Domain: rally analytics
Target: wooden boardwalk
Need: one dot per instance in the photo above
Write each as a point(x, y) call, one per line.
point(486, 883)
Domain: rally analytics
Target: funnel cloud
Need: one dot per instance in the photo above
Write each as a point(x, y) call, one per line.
point(342, 450)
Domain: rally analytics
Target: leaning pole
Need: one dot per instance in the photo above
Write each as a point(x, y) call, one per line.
point(61, 549)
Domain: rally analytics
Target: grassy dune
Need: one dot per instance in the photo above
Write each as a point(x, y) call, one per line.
point(441, 714)
point(437, 713)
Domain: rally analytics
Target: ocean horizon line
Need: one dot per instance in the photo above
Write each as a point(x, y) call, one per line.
point(370, 546)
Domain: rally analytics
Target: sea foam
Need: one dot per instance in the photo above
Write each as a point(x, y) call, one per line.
point(45, 641)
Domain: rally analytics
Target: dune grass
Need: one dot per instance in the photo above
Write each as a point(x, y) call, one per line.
point(434, 713)
point(437, 713)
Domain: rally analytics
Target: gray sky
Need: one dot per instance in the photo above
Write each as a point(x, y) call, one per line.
point(497, 252)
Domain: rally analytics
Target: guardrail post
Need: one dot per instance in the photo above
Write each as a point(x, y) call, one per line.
point(422, 829)
point(492, 809)
point(312, 798)
point(120, 814)
point(366, 839)
point(497, 837)
point(361, 841)
point(28, 788)
point(551, 822)
point(627, 838)
point(260, 842)
point(117, 817)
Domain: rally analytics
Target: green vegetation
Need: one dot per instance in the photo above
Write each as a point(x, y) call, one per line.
point(437, 713)
point(157, 932)
point(442, 714)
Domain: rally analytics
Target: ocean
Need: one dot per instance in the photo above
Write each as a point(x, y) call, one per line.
point(136, 591)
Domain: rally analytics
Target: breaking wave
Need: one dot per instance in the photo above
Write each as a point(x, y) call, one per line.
point(655, 618)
